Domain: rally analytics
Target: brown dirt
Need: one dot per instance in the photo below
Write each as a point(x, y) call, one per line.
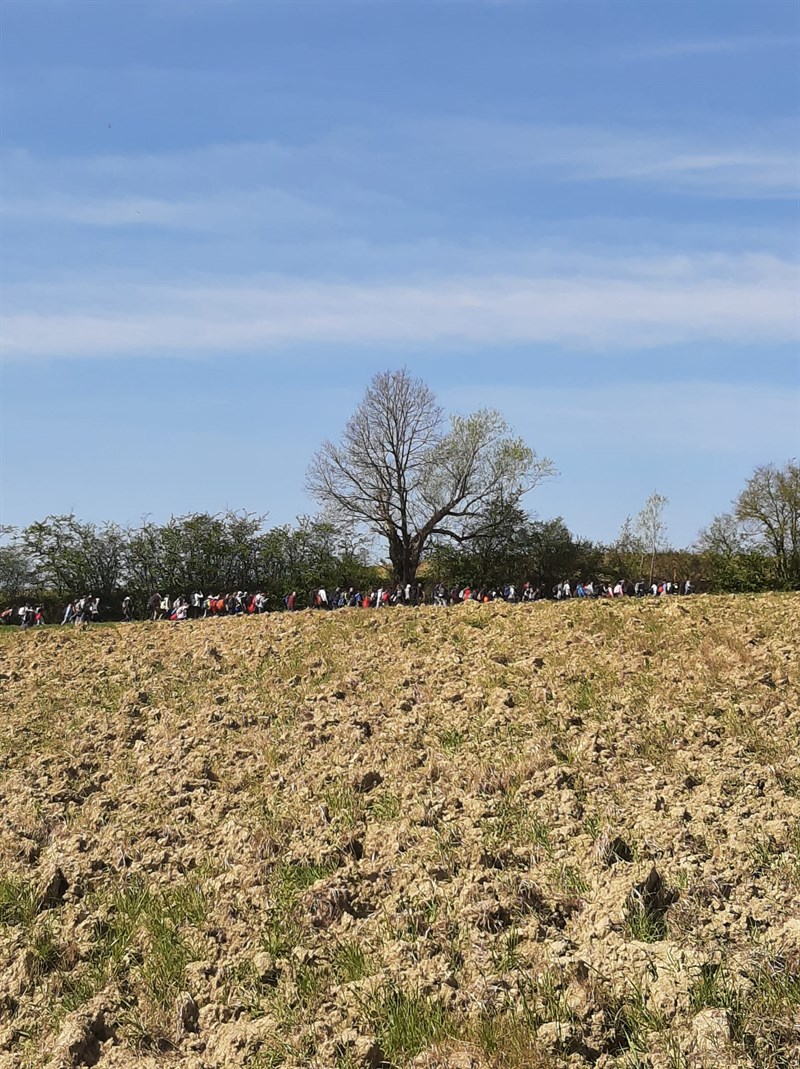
point(482, 837)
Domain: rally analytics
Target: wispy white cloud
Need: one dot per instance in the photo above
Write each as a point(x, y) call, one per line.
point(733, 173)
point(357, 172)
point(209, 213)
point(764, 163)
point(624, 304)
point(712, 46)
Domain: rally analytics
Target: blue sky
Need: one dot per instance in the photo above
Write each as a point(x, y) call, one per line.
point(220, 219)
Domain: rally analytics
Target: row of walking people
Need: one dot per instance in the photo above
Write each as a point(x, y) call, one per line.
point(197, 605)
point(78, 610)
point(241, 602)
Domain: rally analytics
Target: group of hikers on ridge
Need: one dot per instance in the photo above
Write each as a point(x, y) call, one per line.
point(242, 603)
point(80, 610)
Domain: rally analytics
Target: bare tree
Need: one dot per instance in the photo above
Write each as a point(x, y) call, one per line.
point(650, 528)
point(406, 474)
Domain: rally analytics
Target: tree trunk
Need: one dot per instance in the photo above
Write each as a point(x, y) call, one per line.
point(404, 556)
point(405, 569)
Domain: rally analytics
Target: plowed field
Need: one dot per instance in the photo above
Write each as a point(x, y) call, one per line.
point(481, 837)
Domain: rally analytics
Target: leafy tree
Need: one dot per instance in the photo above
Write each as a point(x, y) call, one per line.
point(405, 475)
point(723, 536)
point(69, 556)
point(738, 573)
point(756, 546)
point(556, 554)
point(61, 556)
point(768, 510)
point(518, 549)
point(146, 570)
point(492, 556)
point(627, 553)
point(17, 576)
point(197, 551)
point(312, 554)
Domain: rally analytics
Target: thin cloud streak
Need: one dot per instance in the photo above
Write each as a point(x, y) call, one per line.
point(755, 164)
point(209, 213)
point(712, 46)
point(340, 168)
point(665, 302)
